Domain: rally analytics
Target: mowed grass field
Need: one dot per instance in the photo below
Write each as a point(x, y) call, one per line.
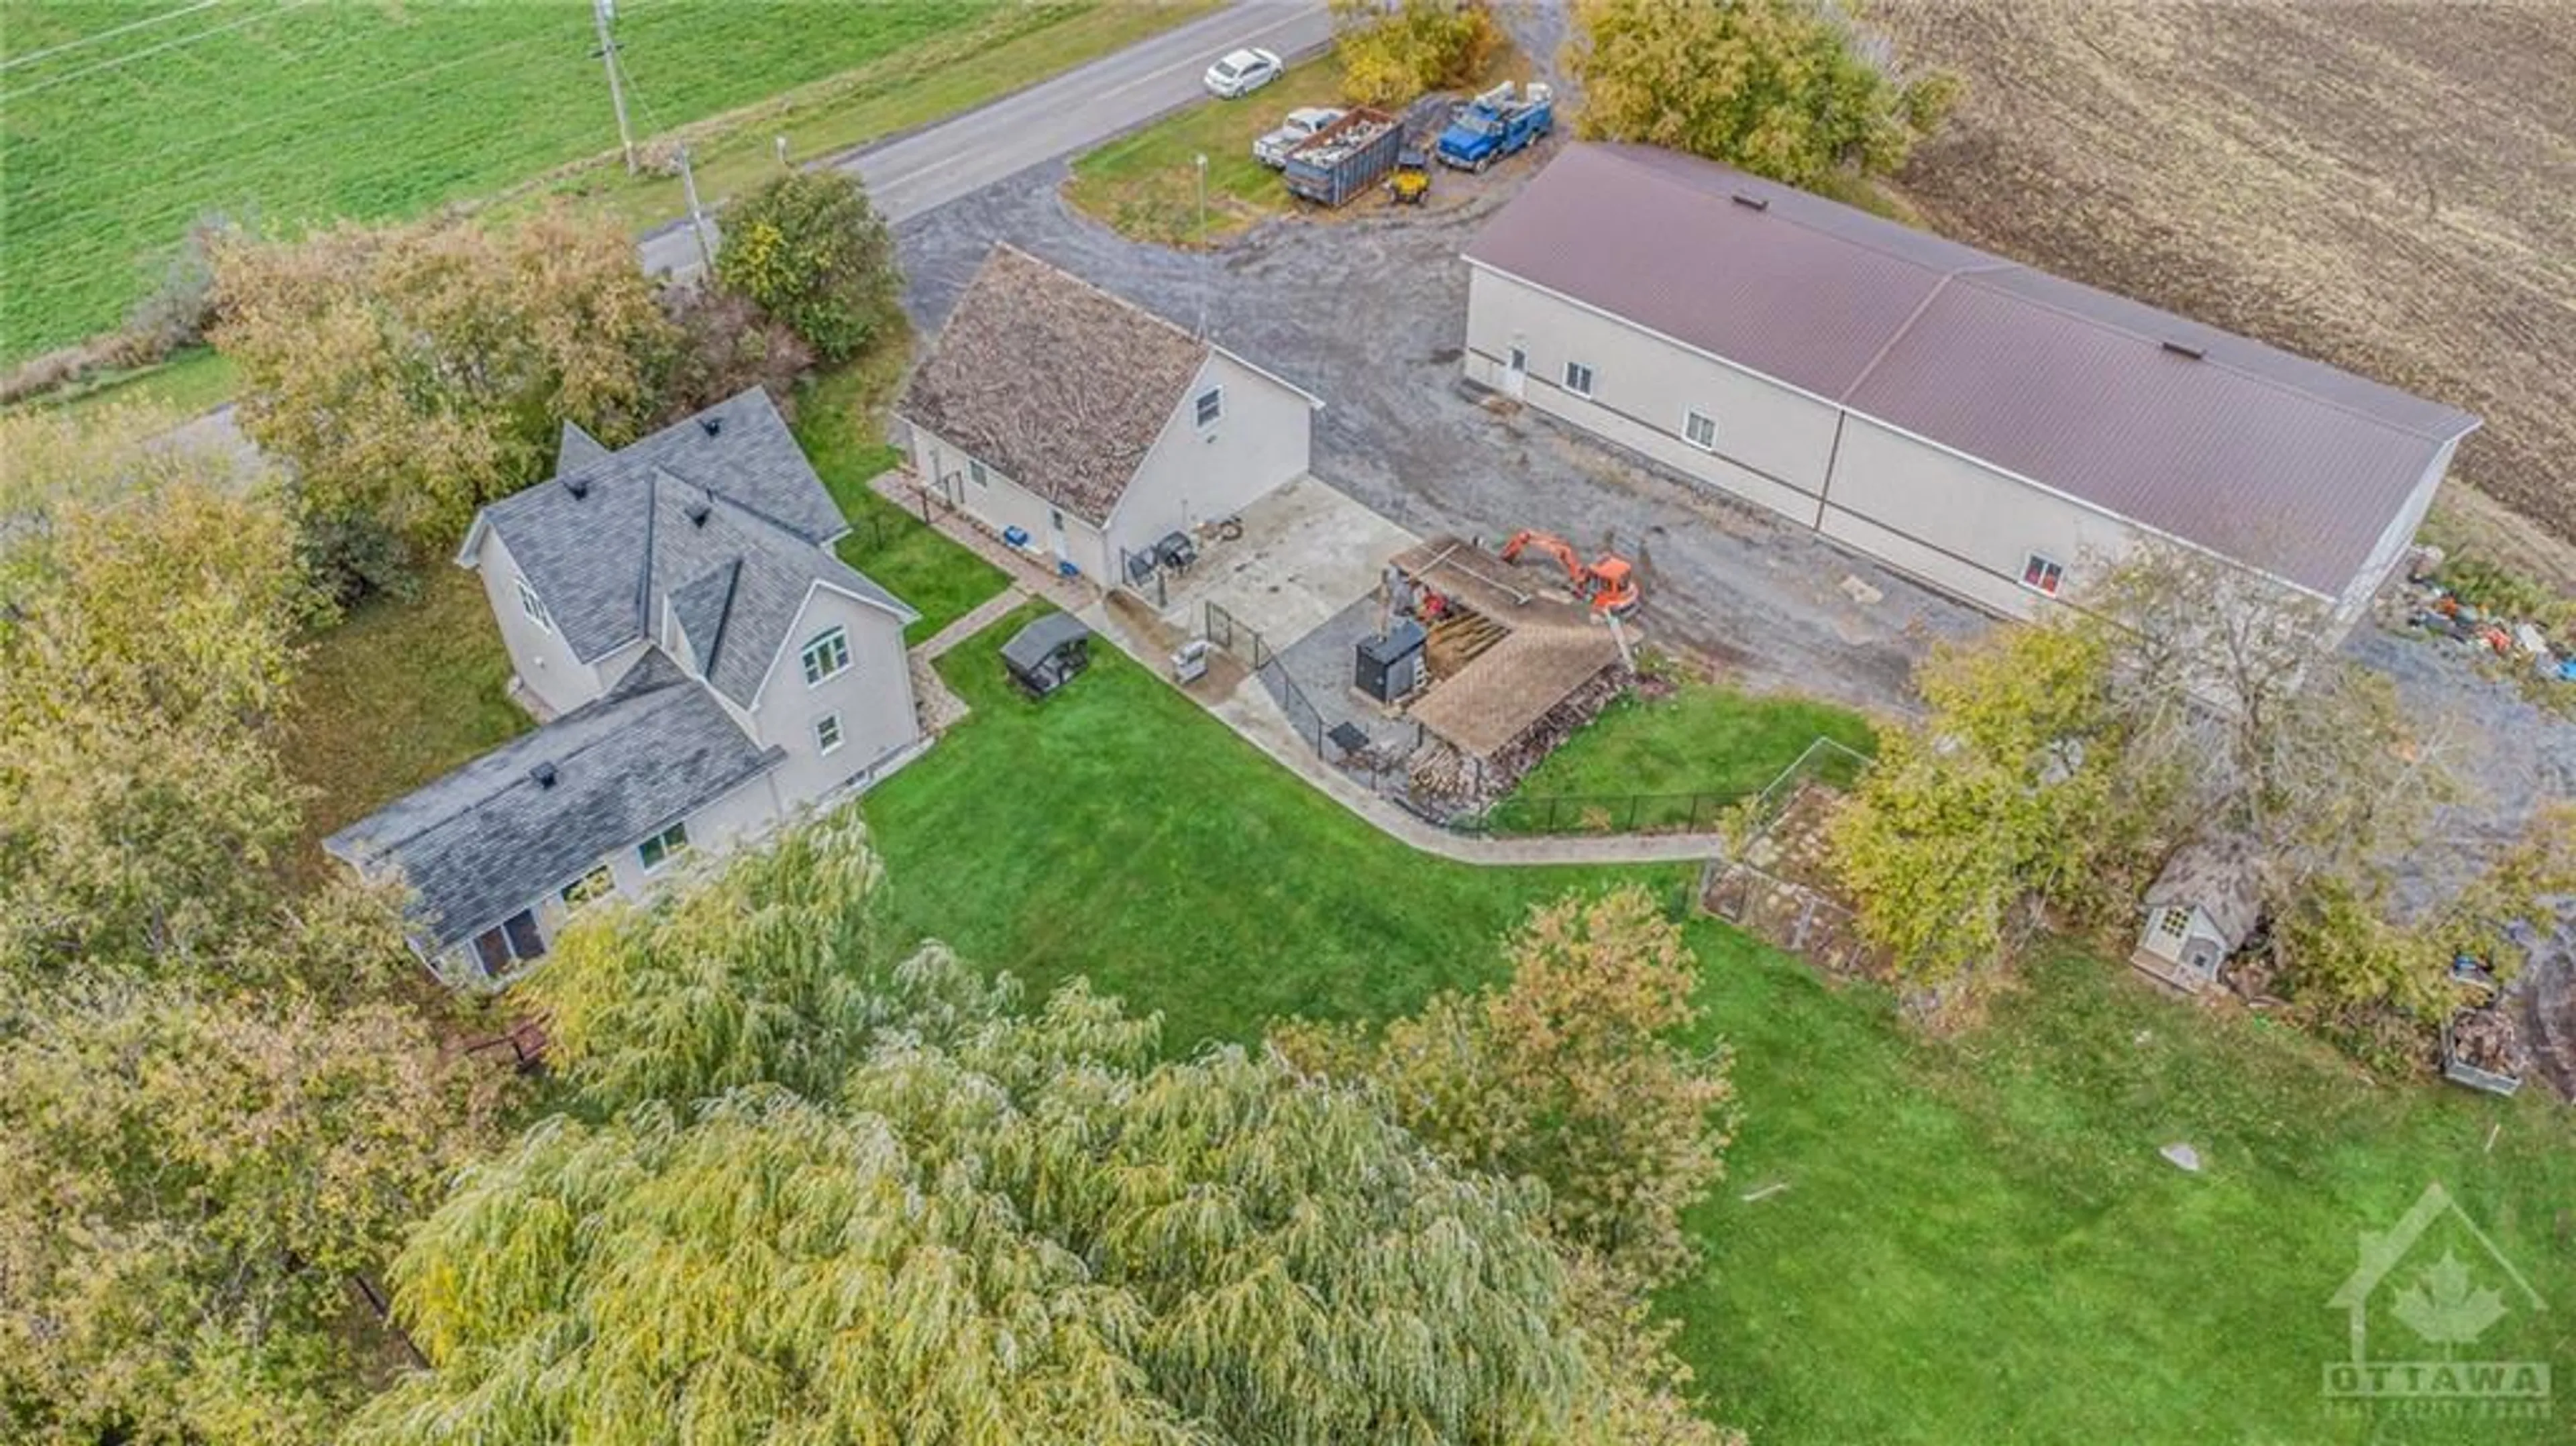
point(122, 121)
point(1962, 1241)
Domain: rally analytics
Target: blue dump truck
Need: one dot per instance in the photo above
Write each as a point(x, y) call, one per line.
point(1345, 158)
point(1497, 124)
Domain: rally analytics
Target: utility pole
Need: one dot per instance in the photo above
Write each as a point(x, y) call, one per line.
point(1200, 236)
point(601, 12)
point(697, 216)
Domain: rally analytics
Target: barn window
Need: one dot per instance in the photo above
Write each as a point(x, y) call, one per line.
point(826, 656)
point(1210, 406)
point(1520, 359)
point(662, 847)
point(2042, 574)
point(1700, 430)
point(827, 732)
point(1578, 379)
point(534, 606)
point(2174, 923)
point(975, 470)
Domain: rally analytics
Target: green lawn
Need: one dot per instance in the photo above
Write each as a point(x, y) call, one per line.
point(1145, 184)
point(393, 696)
point(1978, 1242)
point(117, 139)
point(1674, 761)
point(840, 420)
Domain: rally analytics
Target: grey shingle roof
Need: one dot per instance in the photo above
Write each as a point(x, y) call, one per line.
point(2248, 450)
point(1055, 383)
point(2217, 876)
point(605, 543)
point(483, 841)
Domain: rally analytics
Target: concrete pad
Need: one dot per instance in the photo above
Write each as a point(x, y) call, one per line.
point(1307, 552)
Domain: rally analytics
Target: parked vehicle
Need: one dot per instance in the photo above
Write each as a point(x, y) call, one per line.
point(1496, 124)
point(1272, 150)
point(1345, 158)
point(1412, 179)
point(1242, 72)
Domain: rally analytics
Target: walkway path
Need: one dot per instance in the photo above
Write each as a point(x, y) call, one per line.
point(1249, 710)
point(938, 704)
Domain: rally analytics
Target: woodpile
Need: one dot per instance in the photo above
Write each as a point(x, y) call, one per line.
point(1442, 771)
point(2487, 1039)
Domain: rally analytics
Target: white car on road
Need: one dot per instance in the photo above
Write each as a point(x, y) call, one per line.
point(1302, 123)
point(1242, 73)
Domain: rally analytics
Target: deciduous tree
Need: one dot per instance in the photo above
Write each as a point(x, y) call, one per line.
point(1394, 50)
point(1578, 1073)
point(809, 249)
point(410, 373)
point(147, 639)
point(1781, 88)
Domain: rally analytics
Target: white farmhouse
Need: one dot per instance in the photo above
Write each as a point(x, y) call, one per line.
point(1992, 430)
point(709, 663)
point(1085, 429)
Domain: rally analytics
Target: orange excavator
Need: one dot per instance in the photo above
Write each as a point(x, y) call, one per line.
point(1609, 584)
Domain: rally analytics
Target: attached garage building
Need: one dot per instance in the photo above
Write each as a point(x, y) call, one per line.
point(1993, 430)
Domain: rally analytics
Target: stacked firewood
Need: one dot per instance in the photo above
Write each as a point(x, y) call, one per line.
point(1441, 771)
point(2488, 1040)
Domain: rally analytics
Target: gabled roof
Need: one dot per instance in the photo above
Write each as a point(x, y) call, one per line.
point(2218, 877)
point(725, 523)
point(481, 842)
point(1051, 381)
point(2270, 458)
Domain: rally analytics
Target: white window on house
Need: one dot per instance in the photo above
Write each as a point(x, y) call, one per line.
point(663, 847)
point(2174, 923)
point(534, 606)
point(1700, 430)
point(1578, 379)
point(1210, 406)
point(598, 884)
point(2043, 574)
point(827, 732)
point(826, 656)
point(975, 470)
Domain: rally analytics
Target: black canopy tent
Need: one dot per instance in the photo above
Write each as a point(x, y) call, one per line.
point(1048, 653)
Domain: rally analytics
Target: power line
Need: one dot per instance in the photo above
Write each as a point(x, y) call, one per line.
point(94, 37)
point(150, 50)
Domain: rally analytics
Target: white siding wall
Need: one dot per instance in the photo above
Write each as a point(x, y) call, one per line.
point(1258, 445)
point(1773, 442)
point(544, 662)
point(872, 698)
point(1001, 504)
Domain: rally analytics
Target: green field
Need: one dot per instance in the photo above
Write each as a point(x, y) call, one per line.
point(1977, 1241)
point(125, 121)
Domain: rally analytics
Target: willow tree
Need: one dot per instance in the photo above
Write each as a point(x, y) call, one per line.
point(986, 1223)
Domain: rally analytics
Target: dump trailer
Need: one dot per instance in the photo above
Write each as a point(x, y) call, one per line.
point(1345, 158)
point(1497, 124)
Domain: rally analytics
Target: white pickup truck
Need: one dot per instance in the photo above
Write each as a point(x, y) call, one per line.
point(1272, 150)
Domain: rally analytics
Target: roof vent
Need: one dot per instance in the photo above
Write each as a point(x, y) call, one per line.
point(543, 775)
point(697, 513)
point(711, 425)
point(1756, 203)
point(2184, 348)
point(579, 487)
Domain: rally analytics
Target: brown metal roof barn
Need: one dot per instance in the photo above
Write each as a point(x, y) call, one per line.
point(1955, 413)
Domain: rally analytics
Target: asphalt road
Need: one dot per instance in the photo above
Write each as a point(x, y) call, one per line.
point(927, 168)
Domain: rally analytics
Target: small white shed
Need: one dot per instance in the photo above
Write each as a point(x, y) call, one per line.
point(2199, 911)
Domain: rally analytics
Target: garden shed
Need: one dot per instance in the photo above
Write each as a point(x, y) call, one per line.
point(1048, 653)
point(2200, 910)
